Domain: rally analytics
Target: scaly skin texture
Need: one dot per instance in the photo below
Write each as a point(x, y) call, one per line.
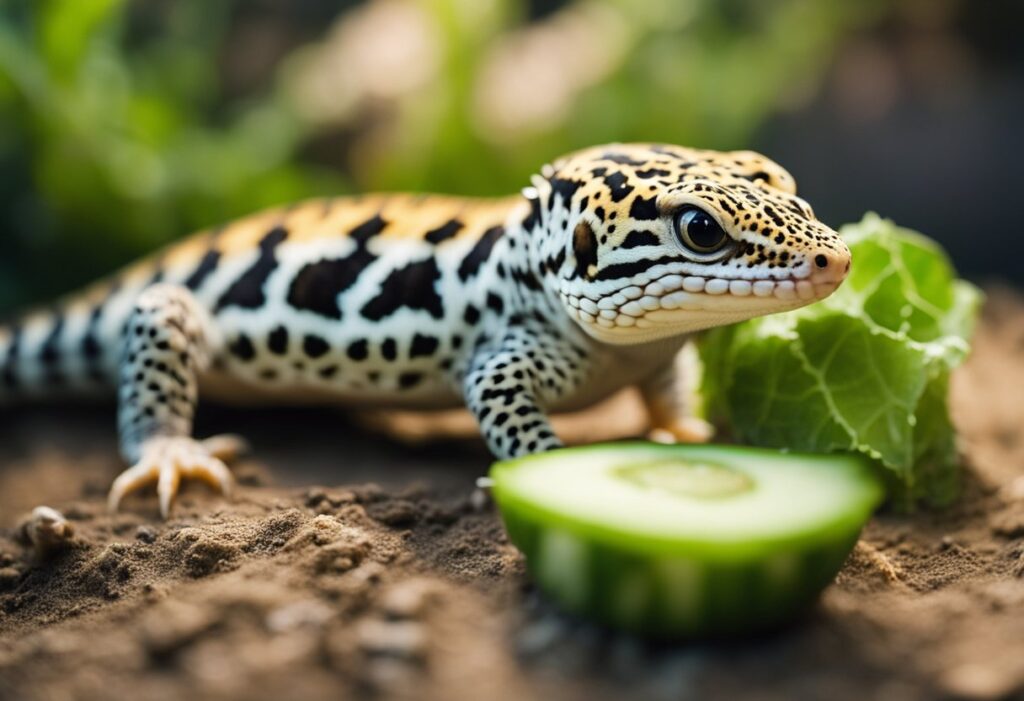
point(589, 281)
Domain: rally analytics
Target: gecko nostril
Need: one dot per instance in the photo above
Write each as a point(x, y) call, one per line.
point(821, 261)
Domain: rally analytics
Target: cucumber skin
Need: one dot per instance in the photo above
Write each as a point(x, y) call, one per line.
point(634, 591)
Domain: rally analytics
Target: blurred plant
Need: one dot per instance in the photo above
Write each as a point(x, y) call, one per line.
point(120, 128)
point(112, 145)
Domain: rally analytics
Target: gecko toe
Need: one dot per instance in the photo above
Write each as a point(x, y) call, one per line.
point(166, 460)
point(226, 447)
point(686, 430)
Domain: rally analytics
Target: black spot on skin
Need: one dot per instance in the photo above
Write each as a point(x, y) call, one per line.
point(13, 344)
point(584, 246)
point(423, 346)
point(328, 372)
point(621, 270)
point(247, 290)
point(797, 210)
point(444, 232)
point(91, 349)
point(412, 286)
point(533, 217)
point(50, 351)
point(644, 208)
point(205, 268)
point(318, 285)
point(158, 275)
point(470, 265)
point(621, 158)
point(653, 173)
point(554, 263)
point(773, 215)
point(409, 379)
point(565, 188)
point(277, 341)
point(314, 346)
point(599, 211)
point(754, 177)
point(619, 186)
point(494, 303)
point(527, 279)
point(640, 238)
point(242, 348)
point(358, 350)
point(388, 349)
point(368, 229)
point(471, 315)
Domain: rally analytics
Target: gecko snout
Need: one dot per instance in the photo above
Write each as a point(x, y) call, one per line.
point(830, 265)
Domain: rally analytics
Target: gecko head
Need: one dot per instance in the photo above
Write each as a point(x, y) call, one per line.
point(660, 240)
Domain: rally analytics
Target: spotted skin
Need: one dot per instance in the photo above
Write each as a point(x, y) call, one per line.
point(587, 282)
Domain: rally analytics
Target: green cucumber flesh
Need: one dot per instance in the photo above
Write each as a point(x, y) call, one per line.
point(688, 540)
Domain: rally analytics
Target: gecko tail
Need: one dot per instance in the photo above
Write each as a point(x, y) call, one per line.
point(55, 353)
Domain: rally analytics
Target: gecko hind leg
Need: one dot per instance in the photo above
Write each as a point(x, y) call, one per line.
point(167, 343)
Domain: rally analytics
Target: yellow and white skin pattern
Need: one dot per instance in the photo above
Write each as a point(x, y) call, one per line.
point(590, 280)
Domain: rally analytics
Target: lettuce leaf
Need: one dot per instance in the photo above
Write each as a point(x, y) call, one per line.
point(866, 370)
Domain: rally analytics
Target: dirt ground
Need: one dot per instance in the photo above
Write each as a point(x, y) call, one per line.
point(396, 581)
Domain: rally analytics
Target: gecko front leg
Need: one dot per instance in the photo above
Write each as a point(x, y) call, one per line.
point(501, 390)
point(665, 398)
point(167, 342)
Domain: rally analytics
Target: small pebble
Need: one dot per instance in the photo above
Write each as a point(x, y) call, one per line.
point(146, 534)
point(408, 599)
point(978, 681)
point(479, 500)
point(537, 638)
point(402, 639)
point(310, 612)
point(9, 576)
point(47, 531)
point(314, 496)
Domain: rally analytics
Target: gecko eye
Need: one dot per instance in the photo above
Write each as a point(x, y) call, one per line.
point(699, 231)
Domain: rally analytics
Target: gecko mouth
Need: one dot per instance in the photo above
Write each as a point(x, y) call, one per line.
point(671, 301)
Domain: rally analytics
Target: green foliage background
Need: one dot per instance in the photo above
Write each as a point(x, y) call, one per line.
point(124, 124)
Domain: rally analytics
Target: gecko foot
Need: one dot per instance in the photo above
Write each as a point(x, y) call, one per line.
point(686, 430)
point(166, 459)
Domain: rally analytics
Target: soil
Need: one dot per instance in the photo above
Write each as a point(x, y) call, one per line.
point(397, 581)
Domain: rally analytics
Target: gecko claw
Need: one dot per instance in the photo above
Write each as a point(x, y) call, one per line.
point(227, 446)
point(166, 460)
point(689, 429)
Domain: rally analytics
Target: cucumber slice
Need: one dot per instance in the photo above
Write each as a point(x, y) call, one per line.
point(684, 540)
